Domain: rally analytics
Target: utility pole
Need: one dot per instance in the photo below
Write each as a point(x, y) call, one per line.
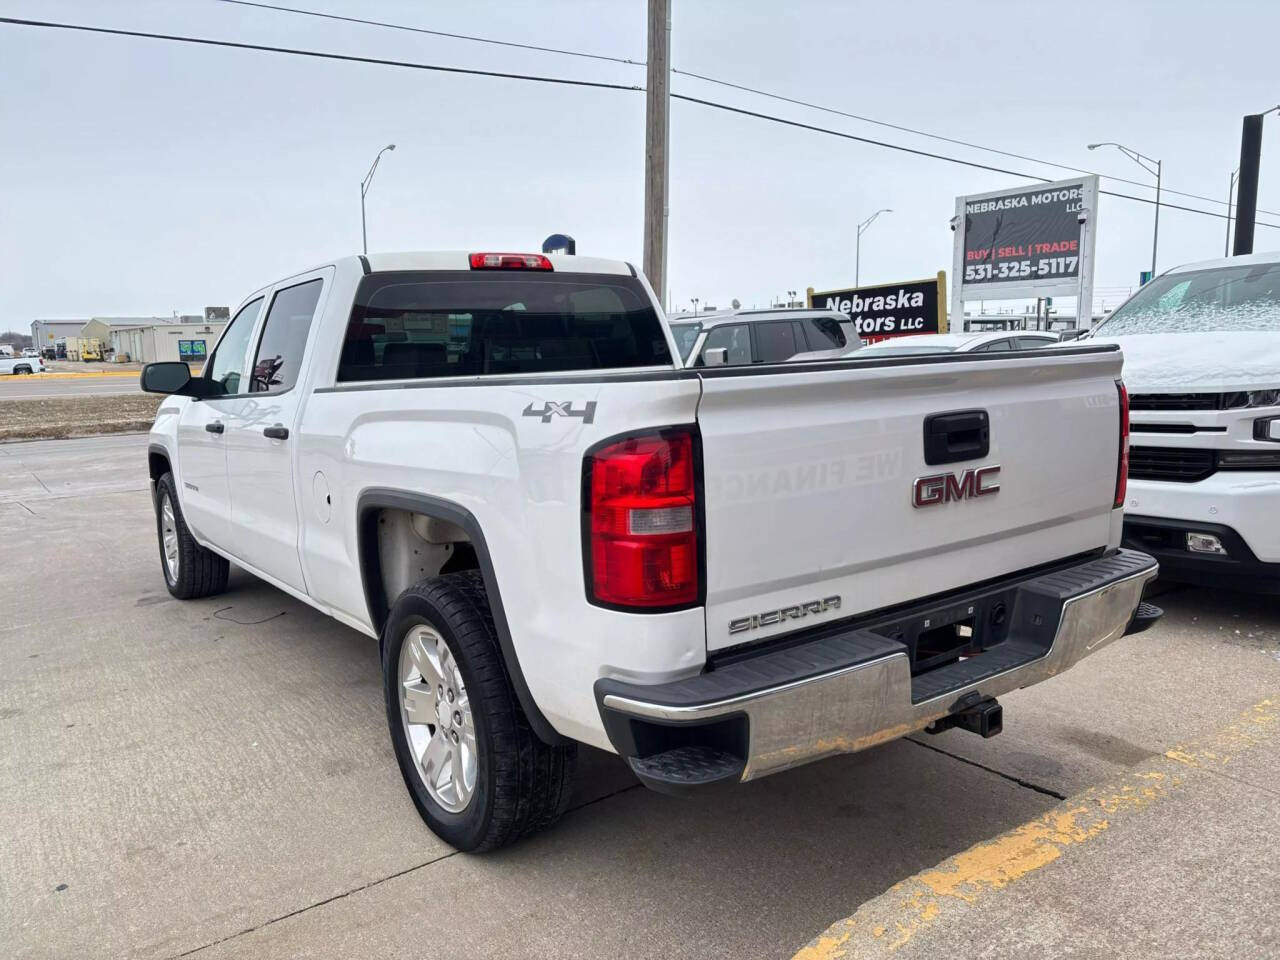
point(657, 128)
point(1247, 185)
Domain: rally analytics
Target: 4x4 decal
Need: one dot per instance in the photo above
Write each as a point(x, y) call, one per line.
point(562, 409)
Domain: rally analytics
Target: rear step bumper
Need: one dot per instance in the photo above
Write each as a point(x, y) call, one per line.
point(851, 688)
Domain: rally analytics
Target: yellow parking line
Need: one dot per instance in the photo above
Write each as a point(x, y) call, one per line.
point(77, 374)
point(884, 924)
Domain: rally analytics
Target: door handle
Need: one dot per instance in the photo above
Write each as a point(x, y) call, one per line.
point(215, 427)
point(278, 432)
point(956, 437)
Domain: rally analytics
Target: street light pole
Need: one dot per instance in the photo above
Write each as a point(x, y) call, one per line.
point(857, 249)
point(364, 189)
point(1231, 188)
point(1145, 163)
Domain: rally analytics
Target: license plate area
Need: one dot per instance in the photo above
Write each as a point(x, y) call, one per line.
point(953, 632)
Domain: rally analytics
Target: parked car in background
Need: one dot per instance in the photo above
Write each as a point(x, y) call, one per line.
point(1202, 363)
point(971, 342)
point(21, 365)
point(781, 335)
point(30, 352)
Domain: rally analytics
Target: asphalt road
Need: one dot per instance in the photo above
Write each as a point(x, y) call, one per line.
point(215, 775)
point(40, 385)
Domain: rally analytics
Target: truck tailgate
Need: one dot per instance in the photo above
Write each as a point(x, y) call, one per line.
point(809, 476)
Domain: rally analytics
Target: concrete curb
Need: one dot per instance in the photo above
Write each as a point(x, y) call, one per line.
point(958, 886)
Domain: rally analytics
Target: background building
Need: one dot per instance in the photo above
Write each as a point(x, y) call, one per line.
point(44, 332)
point(164, 340)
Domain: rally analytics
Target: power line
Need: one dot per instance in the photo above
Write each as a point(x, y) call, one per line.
point(729, 84)
point(294, 51)
point(925, 153)
point(434, 33)
point(944, 139)
point(535, 78)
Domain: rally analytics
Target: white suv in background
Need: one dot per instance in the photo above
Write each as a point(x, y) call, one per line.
point(779, 335)
point(1202, 363)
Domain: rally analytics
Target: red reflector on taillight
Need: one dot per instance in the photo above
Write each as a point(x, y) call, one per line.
point(509, 261)
point(641, 527)
point(1122, 465)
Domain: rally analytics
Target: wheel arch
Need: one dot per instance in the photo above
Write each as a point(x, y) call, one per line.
point(158, 464)
point(368, 505)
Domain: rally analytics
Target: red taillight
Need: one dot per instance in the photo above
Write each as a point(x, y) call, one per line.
point(641, 521)
point(1122, 465)
point(509, 261)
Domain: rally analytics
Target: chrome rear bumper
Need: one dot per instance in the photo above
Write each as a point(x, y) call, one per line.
point(842, 708)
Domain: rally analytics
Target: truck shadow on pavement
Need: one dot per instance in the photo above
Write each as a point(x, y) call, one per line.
point(751, 870)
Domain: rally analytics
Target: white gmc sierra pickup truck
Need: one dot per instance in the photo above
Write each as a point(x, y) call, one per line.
point(496, 464)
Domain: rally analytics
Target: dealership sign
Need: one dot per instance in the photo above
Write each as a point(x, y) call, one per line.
point(890, 309)
point(1026, 242)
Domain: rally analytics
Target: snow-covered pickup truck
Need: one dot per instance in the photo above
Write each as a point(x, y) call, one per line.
point(1202, 357)
point(497, 465)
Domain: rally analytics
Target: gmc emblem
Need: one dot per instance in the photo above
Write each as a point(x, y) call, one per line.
point(945, 487)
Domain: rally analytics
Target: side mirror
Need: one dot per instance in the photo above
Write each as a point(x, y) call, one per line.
point(165, 377)
point(174, 376)
point(715, 356)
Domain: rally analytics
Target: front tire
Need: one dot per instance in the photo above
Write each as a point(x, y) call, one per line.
point(190, 571)
point(478, 774)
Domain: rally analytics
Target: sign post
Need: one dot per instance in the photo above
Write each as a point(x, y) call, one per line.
point(1026, 243)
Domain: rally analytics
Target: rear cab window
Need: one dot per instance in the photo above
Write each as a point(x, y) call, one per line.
point(431, 324)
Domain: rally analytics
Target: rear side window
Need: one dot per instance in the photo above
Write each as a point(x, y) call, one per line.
point(459, 323)
point(824, 333)
point(284, 338)
point(776, 342)
point(994, 346)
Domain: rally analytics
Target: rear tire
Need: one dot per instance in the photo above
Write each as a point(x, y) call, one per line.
point(190, 571)
point(447, 690)
point(22, 369)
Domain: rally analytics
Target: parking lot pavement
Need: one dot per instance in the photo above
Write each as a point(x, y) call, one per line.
point(215, 776)
point(1176, 858)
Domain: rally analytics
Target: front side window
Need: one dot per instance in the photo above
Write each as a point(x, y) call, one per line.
point(459, 323)
point(1222, 299)
point(284, 338)
point(734, 339)
point(227, 366)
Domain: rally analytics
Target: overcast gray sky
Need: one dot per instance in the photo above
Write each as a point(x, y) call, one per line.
point(141, 177)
